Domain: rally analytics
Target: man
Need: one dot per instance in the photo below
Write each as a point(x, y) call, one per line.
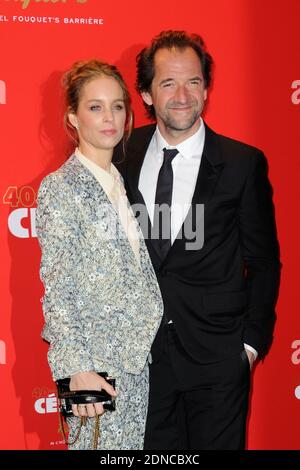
point(218, 262)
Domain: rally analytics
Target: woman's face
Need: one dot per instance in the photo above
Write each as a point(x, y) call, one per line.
point(101, 115)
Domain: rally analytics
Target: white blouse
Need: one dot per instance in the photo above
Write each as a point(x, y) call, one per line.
point(115, 191)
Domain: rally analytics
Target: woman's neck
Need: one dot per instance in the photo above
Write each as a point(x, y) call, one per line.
point(101, 157)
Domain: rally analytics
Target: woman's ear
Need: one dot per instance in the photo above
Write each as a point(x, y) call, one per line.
point(73, 120)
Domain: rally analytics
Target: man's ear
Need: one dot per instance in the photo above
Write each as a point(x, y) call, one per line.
point(205, 94)
point(147, 98)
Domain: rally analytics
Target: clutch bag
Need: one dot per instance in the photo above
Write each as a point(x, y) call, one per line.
point(67, 398)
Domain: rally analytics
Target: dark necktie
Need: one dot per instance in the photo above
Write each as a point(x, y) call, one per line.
point(163, 202)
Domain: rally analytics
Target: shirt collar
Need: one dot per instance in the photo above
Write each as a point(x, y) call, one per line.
point(105, 178)
point(189, 148)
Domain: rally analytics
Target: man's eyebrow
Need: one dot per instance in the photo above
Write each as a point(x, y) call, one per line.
point(166, 80)
point(197, 78)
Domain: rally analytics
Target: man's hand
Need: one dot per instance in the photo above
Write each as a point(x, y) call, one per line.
point(90, 381)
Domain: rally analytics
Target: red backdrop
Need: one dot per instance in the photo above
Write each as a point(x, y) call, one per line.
point(255, 98)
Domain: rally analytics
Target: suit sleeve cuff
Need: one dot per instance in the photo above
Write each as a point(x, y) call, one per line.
point(246, 346)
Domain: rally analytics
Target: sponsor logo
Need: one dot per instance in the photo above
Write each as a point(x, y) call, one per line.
point(16, 197)
point(15, 223)
point(58, 443)
point(295, 97)
point(29, 18)
point(26, 3)
point(2, 92)
point(46, 404)
point(21, 221)
point(295, 358)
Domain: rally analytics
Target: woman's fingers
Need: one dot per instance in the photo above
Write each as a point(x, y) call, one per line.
point(108, 388)
point(82, 410)
point(99, 408)
point(89, 410)
point(75, 410)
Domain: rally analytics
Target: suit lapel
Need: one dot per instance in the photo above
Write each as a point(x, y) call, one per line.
point(91, 190)
point(210, 168)
point(137, 150)
point(209, 173)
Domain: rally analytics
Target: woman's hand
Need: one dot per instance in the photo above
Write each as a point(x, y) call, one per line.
point(89, 381)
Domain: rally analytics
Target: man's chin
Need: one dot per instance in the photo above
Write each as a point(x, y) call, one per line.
point(182, 123)
point(181, 126)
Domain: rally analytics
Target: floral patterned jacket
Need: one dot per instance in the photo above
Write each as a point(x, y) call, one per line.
point(102, 307)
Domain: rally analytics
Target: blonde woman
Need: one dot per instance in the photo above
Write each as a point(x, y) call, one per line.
point(102, 305)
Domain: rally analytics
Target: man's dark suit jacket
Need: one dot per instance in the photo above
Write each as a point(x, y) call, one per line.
point(224, 294)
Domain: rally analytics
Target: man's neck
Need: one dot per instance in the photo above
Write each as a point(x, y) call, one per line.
point(175, 137)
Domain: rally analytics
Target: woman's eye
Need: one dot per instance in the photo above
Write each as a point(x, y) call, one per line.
point(119, 107)
point(95, 107)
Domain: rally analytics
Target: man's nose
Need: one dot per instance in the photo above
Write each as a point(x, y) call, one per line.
point(181, 94)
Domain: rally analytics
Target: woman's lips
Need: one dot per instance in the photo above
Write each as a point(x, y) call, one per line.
point(108, 132)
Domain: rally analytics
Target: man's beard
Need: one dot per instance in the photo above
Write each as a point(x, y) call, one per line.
point(181, 124)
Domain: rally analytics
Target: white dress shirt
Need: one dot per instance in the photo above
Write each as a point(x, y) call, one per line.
point(185, 167)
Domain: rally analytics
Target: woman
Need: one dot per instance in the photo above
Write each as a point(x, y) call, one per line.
point(102, 304)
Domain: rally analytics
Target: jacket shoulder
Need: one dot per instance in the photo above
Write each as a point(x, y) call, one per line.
point(237, 147)
point(61, 176)
point(238, 152)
